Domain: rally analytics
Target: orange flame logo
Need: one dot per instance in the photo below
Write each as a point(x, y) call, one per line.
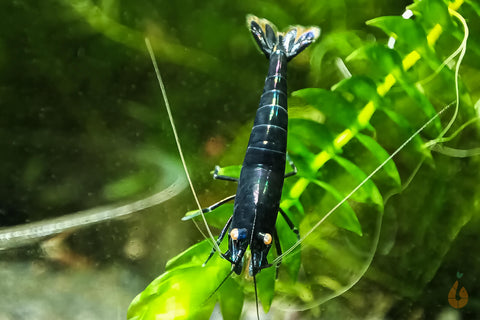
point(452, 296)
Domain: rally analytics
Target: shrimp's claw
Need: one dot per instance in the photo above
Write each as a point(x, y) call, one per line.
point(292, 42)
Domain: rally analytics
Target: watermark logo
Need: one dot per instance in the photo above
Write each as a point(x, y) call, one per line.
point(462, 299)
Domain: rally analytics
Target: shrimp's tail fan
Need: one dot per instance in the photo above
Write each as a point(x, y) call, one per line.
point(293, 41)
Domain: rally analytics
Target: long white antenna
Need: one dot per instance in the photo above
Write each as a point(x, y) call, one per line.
point(177, 141)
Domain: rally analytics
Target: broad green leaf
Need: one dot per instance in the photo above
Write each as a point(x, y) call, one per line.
point(417, 142)
point(339, 113)
point(178, 294)
point(389, 60)
point(389, 168)
point(298, 109)
point(193, 256)
point(231, 298)
point(409, 36)
point(301, 156)
point(431, 12)
point(384, 59)
point(407, 32)
point(315, 136)
point(368, 193)
point(361, 88)
point(422, 101)
point(346, 218)
point(475, 6)
point(266, 285)
point(360, 91)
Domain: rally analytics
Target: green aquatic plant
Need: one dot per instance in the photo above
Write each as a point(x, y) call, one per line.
point(341, 141)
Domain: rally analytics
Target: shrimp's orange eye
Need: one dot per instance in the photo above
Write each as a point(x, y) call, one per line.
point(265, 237)
point(238, 234)
point(234, 234)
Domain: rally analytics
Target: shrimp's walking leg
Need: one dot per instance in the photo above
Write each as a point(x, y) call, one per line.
point(220, 238)
point(279, 251)
point(294, 169)
point(289, 222)
point(220, 177)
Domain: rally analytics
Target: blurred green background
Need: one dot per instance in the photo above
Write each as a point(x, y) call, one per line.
point(83, 126)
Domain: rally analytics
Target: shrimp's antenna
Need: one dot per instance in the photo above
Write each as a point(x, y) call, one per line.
point(177, 141)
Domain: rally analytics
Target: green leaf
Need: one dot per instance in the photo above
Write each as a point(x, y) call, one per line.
point(361, 89)
point(368, 193)
point(406, 31)
point(475, 6)
point(417, 143)
point(311, 135)
point(231, 298)
point(389, 168)
point(298, 109)
point(266, 285)
point(384, 59)
point(178, 294)
point(431, 13)
point(409, 35)
point(346, 218)
point(193, 256)
point(418, 96)
point(390, 62)
point(339, 113)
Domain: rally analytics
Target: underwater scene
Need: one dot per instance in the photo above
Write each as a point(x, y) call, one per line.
point(240, 160)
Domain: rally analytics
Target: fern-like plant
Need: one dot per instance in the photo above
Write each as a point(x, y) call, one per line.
point(337, 138)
